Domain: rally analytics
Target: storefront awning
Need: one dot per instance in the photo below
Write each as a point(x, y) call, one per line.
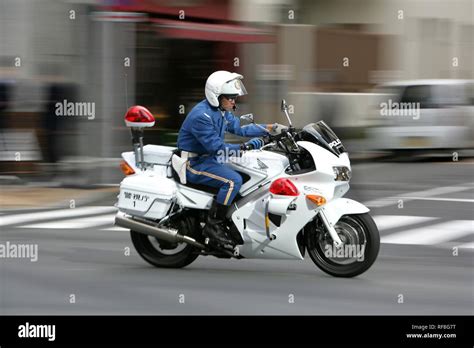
point(212, 32)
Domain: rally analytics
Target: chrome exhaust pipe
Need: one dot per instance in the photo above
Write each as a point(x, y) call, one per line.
point(169, 235)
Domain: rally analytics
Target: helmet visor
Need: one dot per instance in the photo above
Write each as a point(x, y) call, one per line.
point(234, 87)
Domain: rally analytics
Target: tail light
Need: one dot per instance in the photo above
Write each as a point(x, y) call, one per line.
point(126, 169)
point(284, 187)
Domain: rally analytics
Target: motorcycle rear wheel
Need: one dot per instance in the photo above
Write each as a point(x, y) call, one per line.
point(164, 254)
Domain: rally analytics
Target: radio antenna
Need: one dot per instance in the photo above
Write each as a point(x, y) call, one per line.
point(126, 92)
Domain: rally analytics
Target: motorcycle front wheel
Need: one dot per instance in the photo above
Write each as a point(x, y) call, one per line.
point(361, 246)
point(165, 254)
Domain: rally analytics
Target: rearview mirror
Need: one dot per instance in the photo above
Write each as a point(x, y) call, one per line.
point(247, 118)
point(284, 109)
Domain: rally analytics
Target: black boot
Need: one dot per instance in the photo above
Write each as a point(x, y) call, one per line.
point(215, 227)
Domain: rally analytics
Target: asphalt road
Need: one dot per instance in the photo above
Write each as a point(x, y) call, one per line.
point(425, 265)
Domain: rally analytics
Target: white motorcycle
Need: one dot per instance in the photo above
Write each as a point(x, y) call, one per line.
point(290, 202)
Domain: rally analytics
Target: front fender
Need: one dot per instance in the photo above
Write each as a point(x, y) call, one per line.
point(342, 206)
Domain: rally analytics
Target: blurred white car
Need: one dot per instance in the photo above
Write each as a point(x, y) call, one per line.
point(423, 115)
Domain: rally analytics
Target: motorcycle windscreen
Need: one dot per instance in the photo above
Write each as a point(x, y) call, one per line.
point(325, 136)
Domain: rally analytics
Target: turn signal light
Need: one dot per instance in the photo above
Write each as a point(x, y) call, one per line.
point(284, 187)
point(126, 169)
point(316, 199)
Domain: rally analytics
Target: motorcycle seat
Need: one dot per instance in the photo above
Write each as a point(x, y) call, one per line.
point(205, 188)
point(212, 190)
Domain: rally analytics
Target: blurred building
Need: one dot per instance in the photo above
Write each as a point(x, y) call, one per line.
point(319, 54)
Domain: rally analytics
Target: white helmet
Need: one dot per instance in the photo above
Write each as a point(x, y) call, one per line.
point(223, 82)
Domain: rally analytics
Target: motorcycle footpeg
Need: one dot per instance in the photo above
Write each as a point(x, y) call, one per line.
point(214, 243)
point(230, 250)
point(229, 247)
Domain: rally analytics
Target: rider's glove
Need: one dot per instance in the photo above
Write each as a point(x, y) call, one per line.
point(254, 143)
point(276, 128)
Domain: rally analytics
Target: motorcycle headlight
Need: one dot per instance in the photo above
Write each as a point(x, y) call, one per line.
point(342, 173)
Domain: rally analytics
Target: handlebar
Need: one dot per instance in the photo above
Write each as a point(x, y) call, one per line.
point(268, 145)
point(275, 140)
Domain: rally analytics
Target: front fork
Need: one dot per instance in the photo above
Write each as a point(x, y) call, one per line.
point(330, 228)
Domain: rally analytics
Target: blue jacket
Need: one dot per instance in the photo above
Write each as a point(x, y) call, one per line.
point(203, 130)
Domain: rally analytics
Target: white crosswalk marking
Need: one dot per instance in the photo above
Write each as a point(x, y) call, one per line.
point(85, 222)
point(387, 201)
point(115, 228)
point(441, 199)
point(53, 214)
point(386, 222)
point(434, 234)
point(102, 218)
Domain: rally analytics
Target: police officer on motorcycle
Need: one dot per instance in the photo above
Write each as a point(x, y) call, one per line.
point(201, 141)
